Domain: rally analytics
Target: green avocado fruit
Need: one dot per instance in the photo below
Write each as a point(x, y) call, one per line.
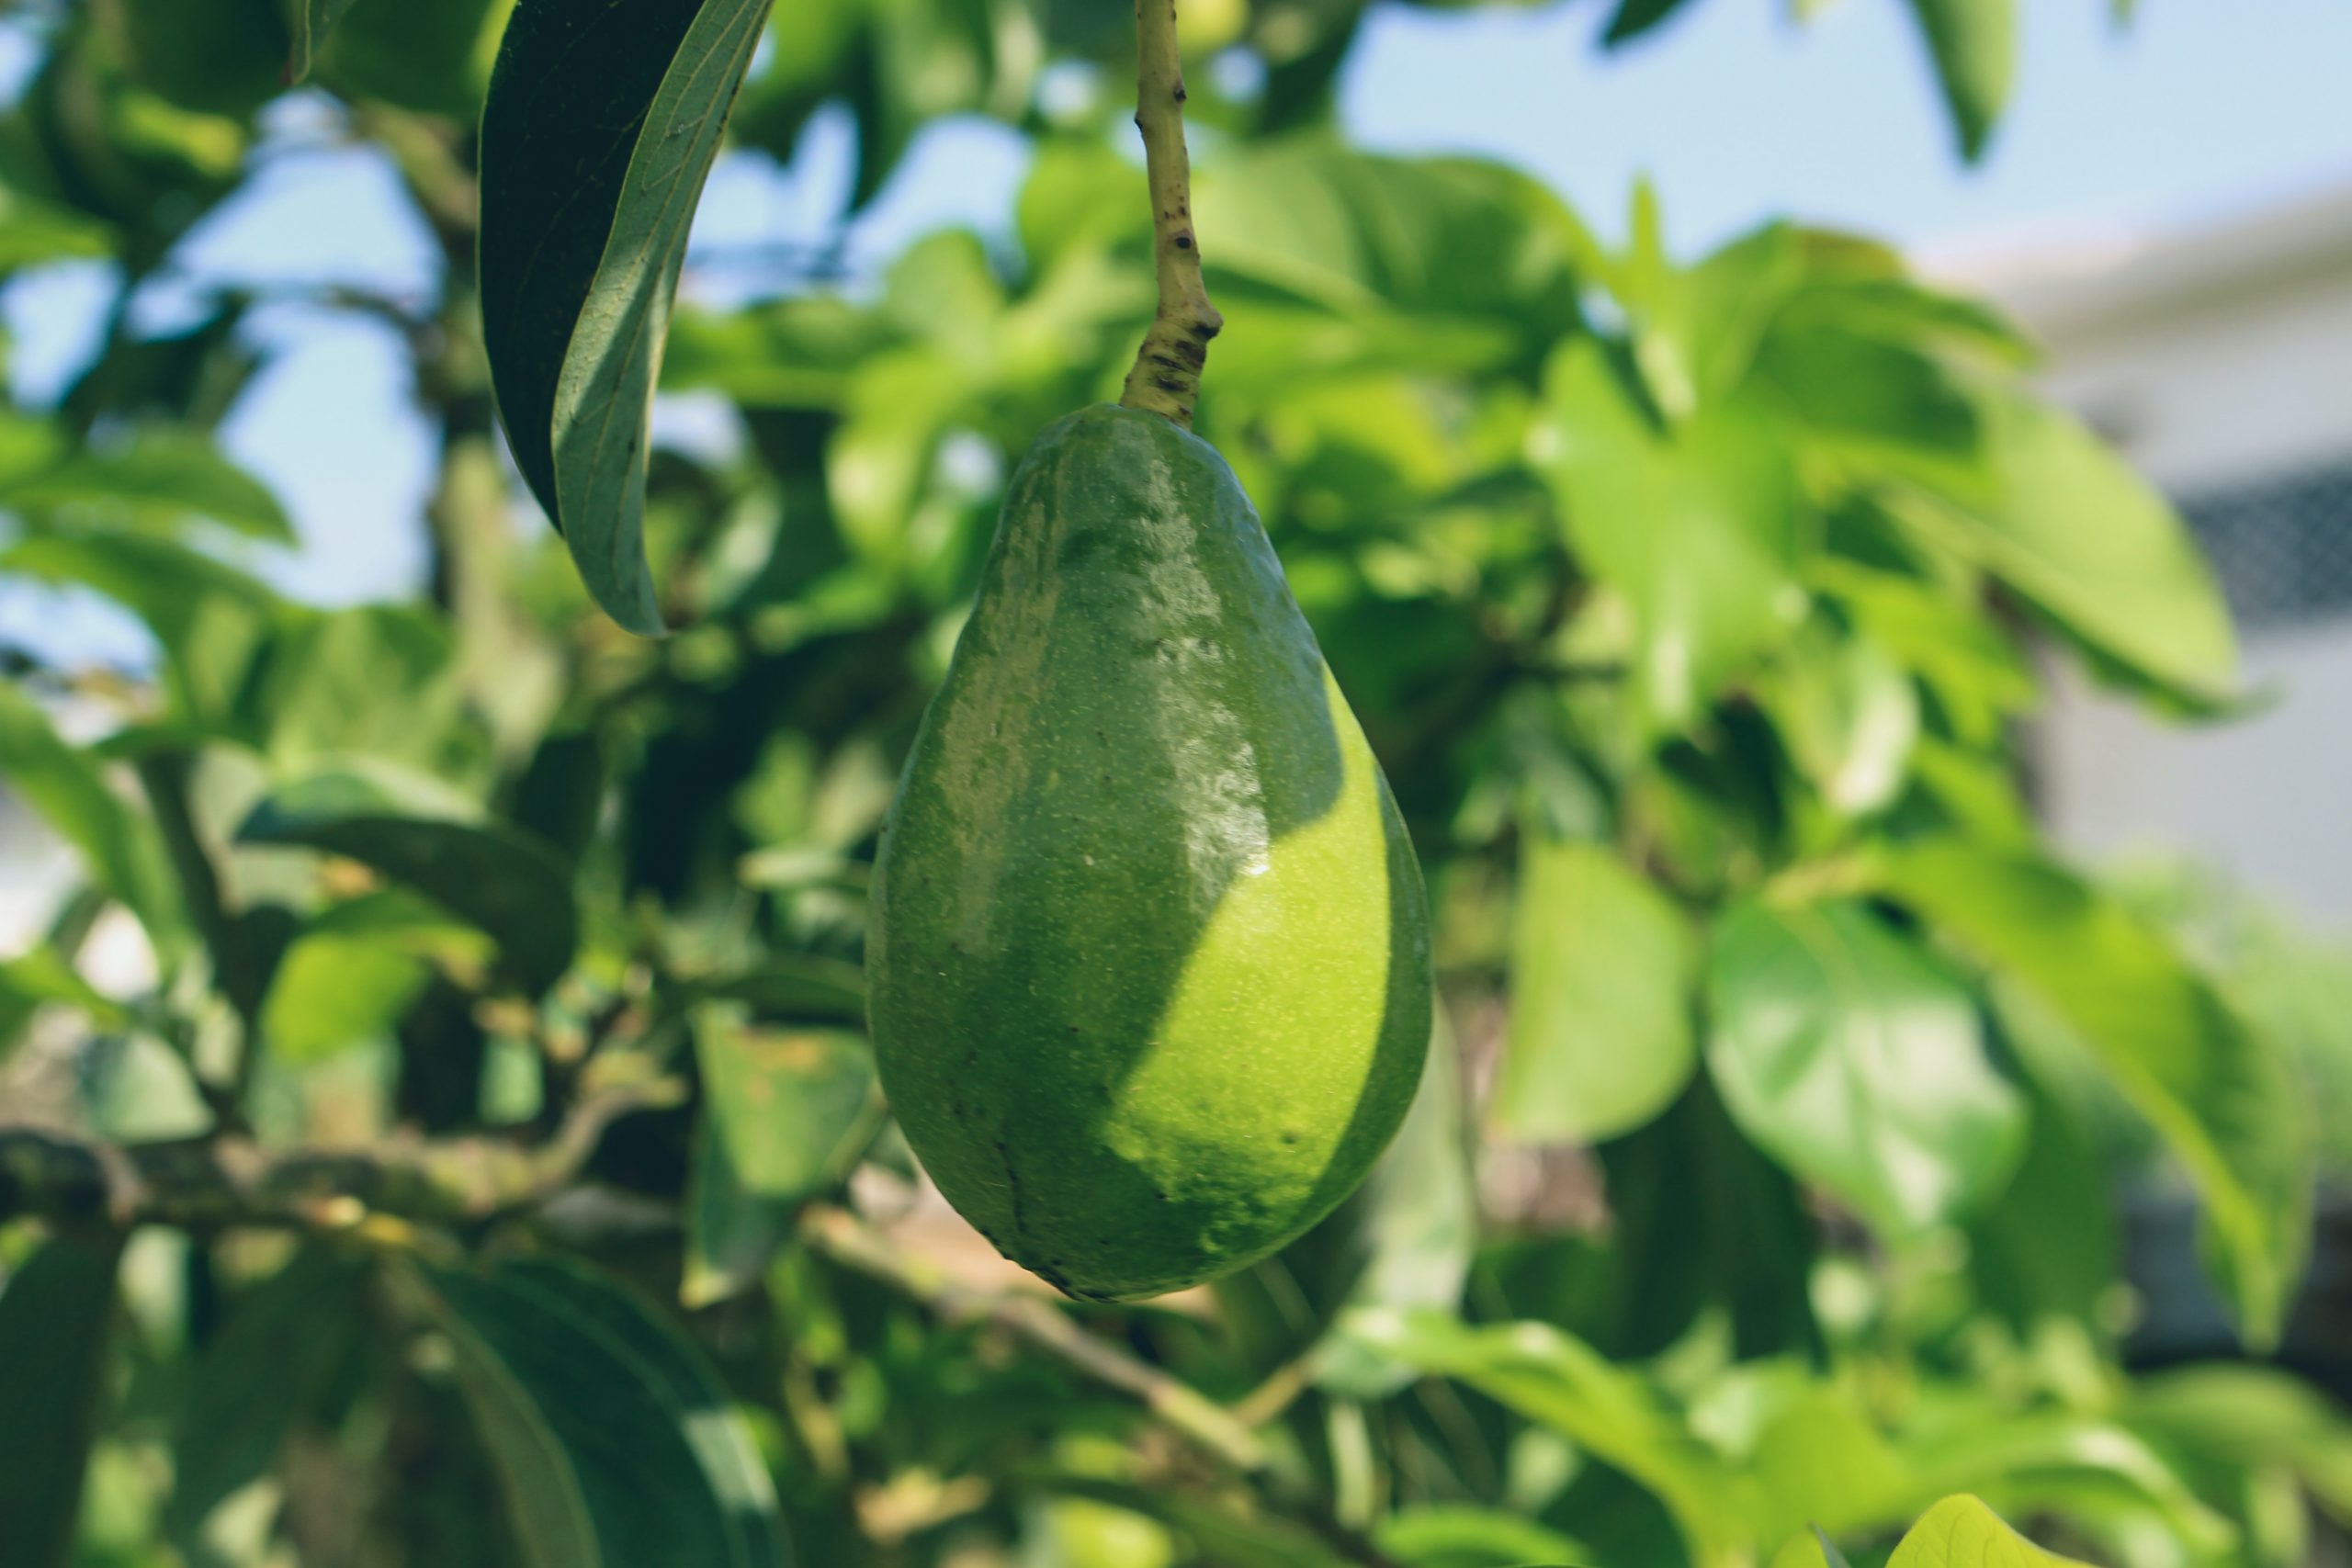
point(1149, 969)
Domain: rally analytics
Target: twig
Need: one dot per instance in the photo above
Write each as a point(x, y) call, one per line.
point(205, 1183)
point(851, 1243)
point(1167, 376)
point(1218, 1432)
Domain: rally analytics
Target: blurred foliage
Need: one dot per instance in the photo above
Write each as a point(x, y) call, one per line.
point(1770, 1176)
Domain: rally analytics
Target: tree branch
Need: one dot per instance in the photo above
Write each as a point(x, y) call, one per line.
point(1167, 376)
point(1219, 1433)
point(207, 1183)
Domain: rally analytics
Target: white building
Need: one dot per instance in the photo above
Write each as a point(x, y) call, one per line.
point(2220, 359)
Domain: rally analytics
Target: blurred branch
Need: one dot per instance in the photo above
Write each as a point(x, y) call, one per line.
point(854, 1245)
point(1220, 1434)
point(207, 1183)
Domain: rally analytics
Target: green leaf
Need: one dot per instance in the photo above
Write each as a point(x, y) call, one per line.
point(1811, 1550)
point(419, 833)
point(1962, 1532)
point(2216, 1092)
point(42, 976)
point(313, 19)
point(1558, 1381)
point(1635, 18)
point(269, 1367)
point(1697, 529)
point(1974, 47)
point(1457, 1535)
point(787, 1113)
point(1603, 969)
point(329, 992)
point(161, 476)
point(614, 1438)
point(1849, 714)
point(2249, 1417)
point(599, 132)
point(2066, 522)
point(56, 1311)
point(33, 230)
point(119, 845)
point(1859, 1062)
point(207, 616)
point(2049, 1247)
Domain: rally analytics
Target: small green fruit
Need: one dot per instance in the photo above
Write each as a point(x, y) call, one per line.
point(1149, 970)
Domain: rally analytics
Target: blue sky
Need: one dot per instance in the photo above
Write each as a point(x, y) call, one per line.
point(2204, 106)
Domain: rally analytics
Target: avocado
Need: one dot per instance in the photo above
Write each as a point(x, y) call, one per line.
point(1148, 966)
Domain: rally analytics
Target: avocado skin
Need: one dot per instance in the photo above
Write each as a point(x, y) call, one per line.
point(1149, 967)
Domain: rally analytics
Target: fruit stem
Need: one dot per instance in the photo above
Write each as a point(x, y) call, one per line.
point(1167, 376)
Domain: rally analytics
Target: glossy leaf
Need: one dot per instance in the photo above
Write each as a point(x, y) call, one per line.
point(614, 1439)
point(1962, 1532)
point(1974, 44)
point(509, 884)
point(1697, 529)
point(1556, 1380)
point(599, 132)
point(1604, 968)
point(2215, 1092)
point(57, 1308)
point(2059, 517)
point(1859, 1062)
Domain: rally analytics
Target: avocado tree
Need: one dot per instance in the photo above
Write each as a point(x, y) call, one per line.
point(439, 1123)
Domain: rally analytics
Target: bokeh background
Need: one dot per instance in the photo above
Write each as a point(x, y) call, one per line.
point(242, 330)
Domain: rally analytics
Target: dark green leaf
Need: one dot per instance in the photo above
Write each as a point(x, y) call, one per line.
point(1974, 46)
point(1603, 969)
point(615, 1441)
point(2217, 1093)
point(1635, 18)
point(267, 1369)
point(56, 1311)
point(599, 128)
point(417, 833)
